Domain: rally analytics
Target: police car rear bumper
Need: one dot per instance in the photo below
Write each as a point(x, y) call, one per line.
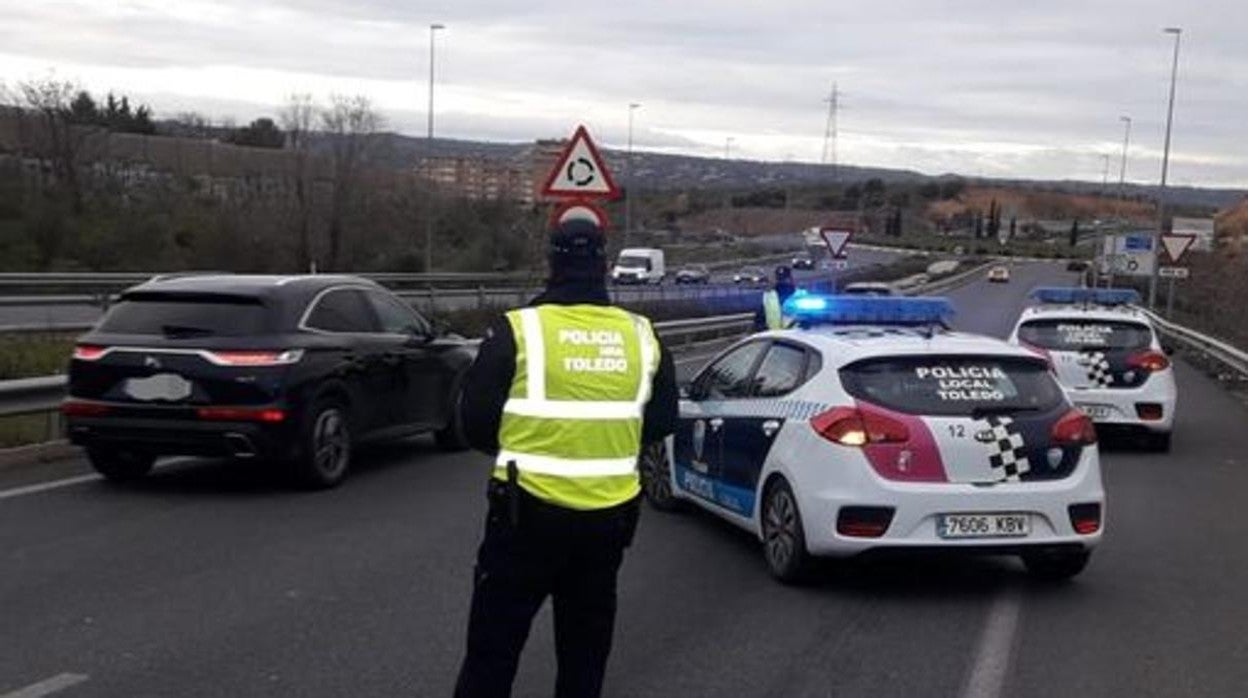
point(1132, 407)
point(918, 507)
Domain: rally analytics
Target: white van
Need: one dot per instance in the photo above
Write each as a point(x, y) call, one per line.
point(639, 265)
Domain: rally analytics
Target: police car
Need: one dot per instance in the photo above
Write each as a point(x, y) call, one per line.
point(871, 426)
point(1107, 356)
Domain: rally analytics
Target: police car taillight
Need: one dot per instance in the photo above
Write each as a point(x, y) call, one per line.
point(851, 427)
point(1074, 429)
point(1151, 361)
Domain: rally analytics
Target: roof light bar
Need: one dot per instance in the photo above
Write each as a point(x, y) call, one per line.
point(1090, 296)
point(820, 309)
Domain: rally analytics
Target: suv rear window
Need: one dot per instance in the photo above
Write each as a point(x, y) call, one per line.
point(186, 316)
point(953, 385)
point(1074, 335)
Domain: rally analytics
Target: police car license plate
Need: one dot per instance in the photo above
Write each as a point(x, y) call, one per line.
point(1096, 412)
point(1003, 525)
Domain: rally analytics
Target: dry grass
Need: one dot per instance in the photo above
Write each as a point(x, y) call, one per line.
point(23, 356)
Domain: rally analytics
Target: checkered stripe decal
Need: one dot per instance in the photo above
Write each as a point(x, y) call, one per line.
point(1098, 368)
point(1009, 457)
point(779, 409)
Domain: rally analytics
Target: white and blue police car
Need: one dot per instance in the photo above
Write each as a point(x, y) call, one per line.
point(870, 425)
point(1107, 356)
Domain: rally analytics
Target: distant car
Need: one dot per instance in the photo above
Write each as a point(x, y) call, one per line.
point(999, 274)
point(802, 261)
point(1076, 265)
point(296, 370)
point(750, 275)
point(867, 288)
point(693, 274)
point(1108, 357)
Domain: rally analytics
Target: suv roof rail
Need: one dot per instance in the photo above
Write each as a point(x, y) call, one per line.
point(187, 274)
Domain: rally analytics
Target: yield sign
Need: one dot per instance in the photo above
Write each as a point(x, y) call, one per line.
point(580, 172)
point(1177, 245)
point(836, 240)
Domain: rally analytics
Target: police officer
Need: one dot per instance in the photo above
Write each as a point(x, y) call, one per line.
point(771, 315)
point(565, 393)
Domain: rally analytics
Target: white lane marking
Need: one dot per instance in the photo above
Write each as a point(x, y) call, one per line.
point(996, 646)
point(47, 686)
point(44, 487)
point(76, 480)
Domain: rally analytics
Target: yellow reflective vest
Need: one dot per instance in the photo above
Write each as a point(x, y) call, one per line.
point(572, 421)
point(773, 311)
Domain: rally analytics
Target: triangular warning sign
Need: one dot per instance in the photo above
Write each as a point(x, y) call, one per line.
point(1177, 245)
point(580, 172)
point(836, 240)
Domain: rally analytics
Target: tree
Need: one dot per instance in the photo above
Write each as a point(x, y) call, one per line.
point(1074, 233)
point(349, 122)
point(50, 100)
point(261, 133)
point(979, 224)
point(83, 110)
point(297, 117)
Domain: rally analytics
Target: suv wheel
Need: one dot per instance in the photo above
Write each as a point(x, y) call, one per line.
point(325, 456)
point(1159, 442)
point(784, 539)
point(452, 436)
point(120, 465)
point(1056, 565)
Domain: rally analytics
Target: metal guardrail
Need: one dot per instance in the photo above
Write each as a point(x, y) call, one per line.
point(34, 395)
point(1212, 347)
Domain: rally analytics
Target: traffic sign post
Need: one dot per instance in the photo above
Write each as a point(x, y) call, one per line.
point(836, 239)
point(1176, 246)
point(580, 172)
point(1172, 273)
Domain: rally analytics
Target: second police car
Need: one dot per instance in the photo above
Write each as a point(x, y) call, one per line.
point(1107, 356)
point(871, 425)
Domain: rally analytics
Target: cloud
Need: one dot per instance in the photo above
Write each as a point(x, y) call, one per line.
point(927, 84)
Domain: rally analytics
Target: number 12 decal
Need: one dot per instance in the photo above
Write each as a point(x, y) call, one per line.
point(957, 431)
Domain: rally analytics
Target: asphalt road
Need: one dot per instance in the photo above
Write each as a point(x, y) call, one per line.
point(216, 580)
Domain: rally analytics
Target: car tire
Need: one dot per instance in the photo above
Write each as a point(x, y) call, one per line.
point(452, 437)
point(1056, 565)
point(326, 445)
point(784, 538)
point(656, 478)
point(1159, 442)
point(120, 465)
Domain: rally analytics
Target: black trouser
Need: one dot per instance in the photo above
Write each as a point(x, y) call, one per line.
point(572, 556)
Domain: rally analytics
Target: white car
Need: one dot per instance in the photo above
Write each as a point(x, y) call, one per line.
point(1107, 356)
point(999, 274)
point(871, 426)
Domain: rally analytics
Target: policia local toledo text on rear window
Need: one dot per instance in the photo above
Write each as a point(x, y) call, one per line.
point(565, 393)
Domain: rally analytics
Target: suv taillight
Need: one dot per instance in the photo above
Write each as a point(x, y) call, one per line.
point(255, 358)
point(1151, 361)
point(851, 427)
point(89, 352)
point(1074, 429)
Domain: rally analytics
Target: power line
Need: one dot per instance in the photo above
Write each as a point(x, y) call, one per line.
point(829, 132)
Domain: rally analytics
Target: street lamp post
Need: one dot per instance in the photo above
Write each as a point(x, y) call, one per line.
point(628, 176)
point(433, 29)
point(1126, 143)
point(728, 147)
point(1165, 170)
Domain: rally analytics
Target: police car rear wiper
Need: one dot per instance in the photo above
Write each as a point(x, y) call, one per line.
point(981, 412)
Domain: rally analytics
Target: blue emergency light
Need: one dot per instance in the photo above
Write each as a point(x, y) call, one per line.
point(820, 309)
point(1087, 296)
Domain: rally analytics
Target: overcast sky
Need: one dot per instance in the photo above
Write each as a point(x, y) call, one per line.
point(979, 87)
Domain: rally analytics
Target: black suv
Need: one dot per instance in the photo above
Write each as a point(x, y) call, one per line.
point(295, 369)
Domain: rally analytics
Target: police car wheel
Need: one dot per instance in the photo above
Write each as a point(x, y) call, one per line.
point(327, 448)
point(656, 478)
point(119, 465)
point(784, 539)
point(1056, 565)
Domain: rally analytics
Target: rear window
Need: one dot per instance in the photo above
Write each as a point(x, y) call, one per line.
point(956, 385)
point(187, 316)
point(1075, 335)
